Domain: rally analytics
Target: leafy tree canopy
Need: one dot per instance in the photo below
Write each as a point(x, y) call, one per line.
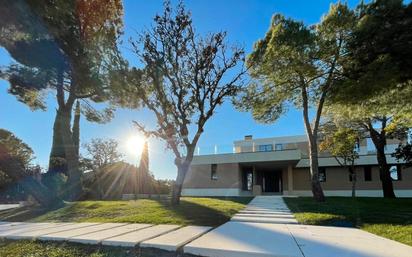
point(16, 147)
point(73, 43)
point(379, 51)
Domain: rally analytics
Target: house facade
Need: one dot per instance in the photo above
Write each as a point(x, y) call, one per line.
point(280, 165)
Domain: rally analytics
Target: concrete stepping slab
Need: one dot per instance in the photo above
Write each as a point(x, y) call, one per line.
point(322, 241)
point(174, 240)
point(34, 234)
point(97, 237)
point(23, 227)
point(64, 235)
point(4, 207)
point(134, 238)
point(262, 215)
point(8, 225)
point(243, 239)
point(265, 220)
point(265, 212)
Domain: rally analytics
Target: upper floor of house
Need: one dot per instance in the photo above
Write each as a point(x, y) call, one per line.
point(249, 144)
point(293, 149)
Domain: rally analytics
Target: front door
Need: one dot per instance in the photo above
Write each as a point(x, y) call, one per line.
point(272, 181)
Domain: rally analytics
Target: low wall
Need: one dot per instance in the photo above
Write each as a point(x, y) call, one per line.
point(360, 193)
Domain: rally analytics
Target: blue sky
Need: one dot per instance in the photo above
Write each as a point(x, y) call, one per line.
point(245, 21)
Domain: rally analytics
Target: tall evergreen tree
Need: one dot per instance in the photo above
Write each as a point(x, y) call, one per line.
point(299, 65)
point(143, 176)
point(69, 47)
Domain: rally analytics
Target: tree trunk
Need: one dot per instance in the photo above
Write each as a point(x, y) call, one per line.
point(385, 175)
point(177, 186)
point(74, 187)
point(14, 169)
point(76, 129)
point(314, 171)
point(379, 141)
point(57, 160)
point(353, 176)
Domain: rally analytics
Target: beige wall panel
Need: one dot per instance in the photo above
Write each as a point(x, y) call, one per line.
point(199, 176)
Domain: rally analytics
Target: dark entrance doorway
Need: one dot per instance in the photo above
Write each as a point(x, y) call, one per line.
point(272, 181)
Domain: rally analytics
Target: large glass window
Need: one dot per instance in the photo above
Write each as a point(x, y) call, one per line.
point(322, 174)
point(279, 147)
point(396, 173)
point(265, 148)
point(213, 175)
point(367, 170)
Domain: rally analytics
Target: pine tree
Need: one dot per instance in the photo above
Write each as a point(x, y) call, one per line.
point(143, 178)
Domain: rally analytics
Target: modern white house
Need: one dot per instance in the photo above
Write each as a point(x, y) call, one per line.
point(280, 165)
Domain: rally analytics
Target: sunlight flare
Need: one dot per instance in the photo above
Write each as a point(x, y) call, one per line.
point(135, 144)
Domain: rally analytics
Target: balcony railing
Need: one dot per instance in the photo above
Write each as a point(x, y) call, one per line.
point(252, 148)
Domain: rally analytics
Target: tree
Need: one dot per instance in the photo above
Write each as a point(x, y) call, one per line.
point(404, 152)
point(15, 158)
point(100, 153)
point(143, 177)
point(341, 143)
point(19, 150)
point(382, 117)
point(185, 78)
point(77, 39)
point(380, 50)
point(16, 147)
point(299, 65)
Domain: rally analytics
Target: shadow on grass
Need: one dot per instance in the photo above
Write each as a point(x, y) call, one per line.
point(196, 213)
point(191, 211)
point(26, 213)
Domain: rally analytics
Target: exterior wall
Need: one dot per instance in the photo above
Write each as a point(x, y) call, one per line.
point(285, 179)
point(337, 179)
point(359, 193)
point(198, 181)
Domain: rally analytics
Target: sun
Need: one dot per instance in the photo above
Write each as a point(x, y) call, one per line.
point(135, 144)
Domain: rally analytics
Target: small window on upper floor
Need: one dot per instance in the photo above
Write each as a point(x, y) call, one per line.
point(370, 146)
point(322, 174)
point(357, 146)
point(396, 172)
point(278, 147)
point(213, 172)
point(265, 148)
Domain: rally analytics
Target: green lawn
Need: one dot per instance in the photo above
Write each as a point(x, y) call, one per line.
point(390, 218)
point(191, 211)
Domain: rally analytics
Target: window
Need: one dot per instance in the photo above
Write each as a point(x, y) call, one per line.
point(279, 147)
point(395, 172)
point(265, 148)
point(322, 174)
point(367, 173)
point(370, 146)
point(247, 180)
point(357, 146)
point(351, 176)
point(213, 175)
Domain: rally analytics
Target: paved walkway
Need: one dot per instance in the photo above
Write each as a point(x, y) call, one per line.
point(162, 237)
point(266, 209)
point(265, 228)
point(8, 206)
